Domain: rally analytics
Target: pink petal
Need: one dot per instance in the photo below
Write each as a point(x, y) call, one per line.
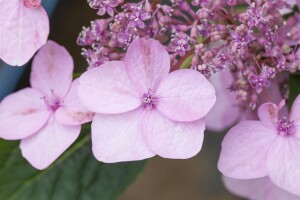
point(23, 31)
point(246, 188)
point(283, 163)
point(118, 138)
point(297, 131)
point(171, 139)
point(46, 145)
point(109, 11)
point(218, 119)
point(257, 189)
point(52, 70)
point(295, 111)
point(22, 114)
point(107, 89)
point(285, 11)
point(147, 62)
point(101, 11)
point(73, 112)
point(185, 95)
point(244, 150)
point(268, 114)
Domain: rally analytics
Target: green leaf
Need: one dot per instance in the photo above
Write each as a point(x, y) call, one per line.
point(76, 75)
point(238, 8)
point(294, 88)
point(75, 175)
point(187, 62)
point(200, 39)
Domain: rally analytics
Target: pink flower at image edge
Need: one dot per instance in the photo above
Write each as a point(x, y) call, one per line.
point(46, 117)
point(24, 29)
point(269, 147)
point(257, 189)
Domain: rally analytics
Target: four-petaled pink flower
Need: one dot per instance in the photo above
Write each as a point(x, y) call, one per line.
point(257, 189)
point(24, 29)
point(141, 110)
point(269, 147)
point(107, 6)
point(104, 6)
point(46, 117)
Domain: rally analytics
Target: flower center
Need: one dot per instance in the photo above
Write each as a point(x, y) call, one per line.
point(53, 102)
point(285, 127)
point(149, 100)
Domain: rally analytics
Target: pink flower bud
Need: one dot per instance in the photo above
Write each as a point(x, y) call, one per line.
point(32, 3)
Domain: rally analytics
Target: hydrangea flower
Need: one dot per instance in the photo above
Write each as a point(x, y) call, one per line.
point(180, 43)
point(46, 117)
point(268, 147)
point(24, 29)
point(142, 110)
point(257, 189)
point(137, 17)
point(104, 6)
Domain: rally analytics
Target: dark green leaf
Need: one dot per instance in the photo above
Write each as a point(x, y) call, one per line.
point(76, 75)
point(75, 175)
point(294, 88)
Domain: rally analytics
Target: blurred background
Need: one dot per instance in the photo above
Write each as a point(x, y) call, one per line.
point(162, 179)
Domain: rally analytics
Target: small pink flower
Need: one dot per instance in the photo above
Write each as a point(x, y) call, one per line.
point(46, 117)
point(257, 189)
point(24, 29)
point(142, 110)
point(104, 6)
point(269, 147)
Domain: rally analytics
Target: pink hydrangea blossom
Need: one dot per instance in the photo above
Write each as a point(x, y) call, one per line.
point(268, 147)
point(257, 189)
point(142, 110)
point(104, 6)
point(24, 29)
point(46, 117)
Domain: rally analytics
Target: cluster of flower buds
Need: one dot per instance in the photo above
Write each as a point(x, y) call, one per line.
point(255, 40)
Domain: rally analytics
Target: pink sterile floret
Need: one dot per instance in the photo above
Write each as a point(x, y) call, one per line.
point(269, 147)
point(142, 110)
point(46, 117)
point(24, 29)
point(257, 189)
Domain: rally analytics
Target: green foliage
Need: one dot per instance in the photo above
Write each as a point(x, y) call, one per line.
point(294, 88)
point(186, 64)
point(76, 75)
point(75, 175)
